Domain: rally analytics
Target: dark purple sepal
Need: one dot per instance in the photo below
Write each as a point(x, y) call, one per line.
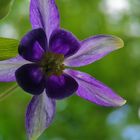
point(63, 42)
point(59, 87)
point(33, 45)
point(30, 79)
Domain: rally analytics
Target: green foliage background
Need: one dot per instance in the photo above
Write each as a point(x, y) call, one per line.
point(77, 119)
point(4, 7)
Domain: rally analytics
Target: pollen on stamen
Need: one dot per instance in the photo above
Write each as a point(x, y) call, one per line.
point(52, 64)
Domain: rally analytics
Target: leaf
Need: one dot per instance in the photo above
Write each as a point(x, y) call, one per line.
point(4, 7)
point(8, 48)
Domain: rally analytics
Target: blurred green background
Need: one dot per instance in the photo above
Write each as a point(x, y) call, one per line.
point(77, 119)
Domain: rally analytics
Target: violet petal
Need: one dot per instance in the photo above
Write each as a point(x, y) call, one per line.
point(64, 42)
point(33, 45)
point(95, 91)
point(30, 79)
point(59, 87)
point(39, 115)
point(8, 68)
point(44, 14)
point(93, 49)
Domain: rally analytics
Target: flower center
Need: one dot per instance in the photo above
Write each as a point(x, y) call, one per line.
point(52, 64)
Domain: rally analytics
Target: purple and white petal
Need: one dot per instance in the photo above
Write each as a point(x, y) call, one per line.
point(59, 87)
point(39, 115)
point(44, 14)
point(30, 78)
point(64, 42)
point(95, 91)
point(8, 68)
point(33, 45)
point(93, 49)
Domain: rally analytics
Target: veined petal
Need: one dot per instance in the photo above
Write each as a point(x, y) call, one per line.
point(44, 14)
point(93, 49)
point(8, 68)
point(95, 91)
point(59, 87)
point(64, 42)
point(33, 45)
point(39, 115)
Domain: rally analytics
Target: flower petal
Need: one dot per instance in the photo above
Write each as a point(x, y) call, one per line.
point(30, 78)
point(44, 14)
point(33, 45)
point(39, 115)
point(95, 91)
point(8, 68)
point(59, 87)
point(93, 49)
point(64, 42)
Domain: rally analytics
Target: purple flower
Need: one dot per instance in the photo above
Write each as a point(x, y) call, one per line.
point(43, 68)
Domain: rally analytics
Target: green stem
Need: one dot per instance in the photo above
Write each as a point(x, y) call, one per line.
point(8, 92)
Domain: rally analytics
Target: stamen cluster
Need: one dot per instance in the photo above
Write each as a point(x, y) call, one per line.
point(52, 64)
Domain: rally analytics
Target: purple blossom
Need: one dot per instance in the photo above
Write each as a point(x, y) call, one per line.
point(41, 69)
